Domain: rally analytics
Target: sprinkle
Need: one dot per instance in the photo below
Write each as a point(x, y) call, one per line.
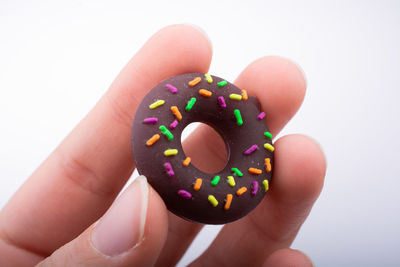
point(172, 88)
point(241, 191)
point(268, 135)
point(190, 103)
point(194, 81)
point(261, 116)
point(269, 147)
point(244, 95)
point(255, 171)
point(171, 152)
point(221, 102)
point(208, 78)
point(185, 194)
point(157, 104)
point(238, 116)
point(228, 201)
point(205, 92)
point(176, 112)
point(197, 184)
point(222, 83)
point(231, 181)
point(237, 172)
point(235, 97)
point(251, 150)
point(254, 188)
point(215, 181)
point(153, 139)
point(166, 132)
point(212, 200)
point(173, 124)
point(186, 161)
point(168, 169)
point(268, 166)
point(153, 120)
point(266, 185)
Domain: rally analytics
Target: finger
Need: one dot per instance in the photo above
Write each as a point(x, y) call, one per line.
point(297, 181)
point(131, 233)
point(81, 178)
point(279, 85)
point(287, 257)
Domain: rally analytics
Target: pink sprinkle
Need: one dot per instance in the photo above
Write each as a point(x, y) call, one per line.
point(172, 88)
point(173, 124)
point(150, 120)
point(168, 168)
point(221, 102)
point(261, 116)
point(185, 194)
point(254, 188)
point(251, 150)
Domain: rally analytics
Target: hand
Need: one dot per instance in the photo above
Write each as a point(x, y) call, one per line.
point(62, 214)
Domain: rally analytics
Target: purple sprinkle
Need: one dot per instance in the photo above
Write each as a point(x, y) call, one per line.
point(261, 116)
point(172, 88)
point(150, 120)
point(251, 150)
point(221, 102)
point(185, 194)
point(173, 124)
point(254, 188)
point(168, 168)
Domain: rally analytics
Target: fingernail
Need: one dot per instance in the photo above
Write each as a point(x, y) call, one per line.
point(122, 227)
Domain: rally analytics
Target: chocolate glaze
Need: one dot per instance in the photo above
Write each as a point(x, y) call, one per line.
point(150, 159)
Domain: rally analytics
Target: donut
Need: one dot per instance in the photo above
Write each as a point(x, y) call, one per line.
point(188, 192)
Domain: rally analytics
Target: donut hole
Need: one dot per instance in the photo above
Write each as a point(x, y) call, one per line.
point(205, 147)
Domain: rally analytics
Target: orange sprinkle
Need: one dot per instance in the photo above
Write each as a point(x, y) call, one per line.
point(205, 92)
point(228, 201)
point(255, 171)
point(268, 166)
point(197, 184)
point(241, 191)
point(244, 95)
point(194, 81)
point(186, 161)
point(176, 112)
point(153, 139)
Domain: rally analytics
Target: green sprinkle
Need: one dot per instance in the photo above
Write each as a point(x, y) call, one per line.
point(266, 185)
point(238, 116)
point(213, 200)
point(157, 104)
point(166, 132)
point(231, 181)
point(190, 103)
point(215, 181)
point(237, 172)
point(171, 152)
point(222, 83)
point(268, 134)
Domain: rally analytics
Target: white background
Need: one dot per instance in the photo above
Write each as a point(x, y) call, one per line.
point(56, 60)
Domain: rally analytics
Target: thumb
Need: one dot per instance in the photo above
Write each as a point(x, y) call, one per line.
point(132, 232)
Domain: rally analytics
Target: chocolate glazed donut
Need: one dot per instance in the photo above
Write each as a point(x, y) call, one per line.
point(188, 192)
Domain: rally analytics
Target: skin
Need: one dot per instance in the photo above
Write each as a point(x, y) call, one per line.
point(88, 169)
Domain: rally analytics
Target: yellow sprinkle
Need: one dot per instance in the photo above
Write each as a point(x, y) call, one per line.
point(235, 97)
point(269, 147)
point(170, 152)
point(231, 181)
point(213, 200)
point(205, 92)
point(228, 201)
point(268, 166)
point(157, 104)
point(208, 78)
point(244, 95)
point(176, 112)
point(186, 161)
point(255, 171)
point(266, 185)
point(241, 191)
point(194, 81)
point(197, 184)
point(153, 139)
